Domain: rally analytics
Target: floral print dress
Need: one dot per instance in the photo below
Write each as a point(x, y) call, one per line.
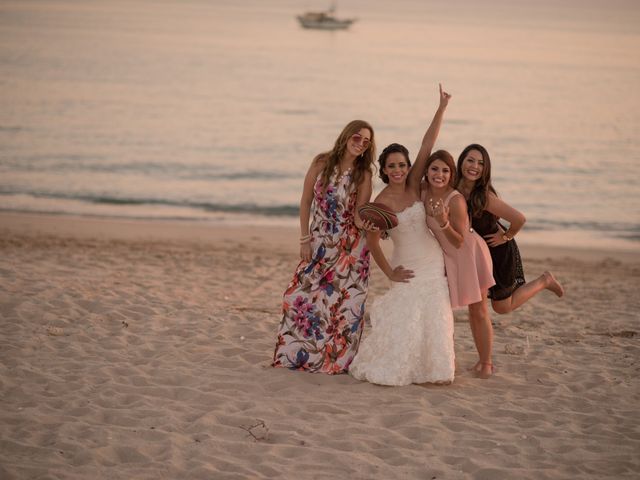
point(323, 305)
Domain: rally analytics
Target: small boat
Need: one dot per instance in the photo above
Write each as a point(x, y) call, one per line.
point(324, 20)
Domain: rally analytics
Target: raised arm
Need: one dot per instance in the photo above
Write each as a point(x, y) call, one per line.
point(428, 141)
point(503, 210)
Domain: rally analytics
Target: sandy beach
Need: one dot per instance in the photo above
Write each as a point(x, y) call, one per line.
point(141, 350)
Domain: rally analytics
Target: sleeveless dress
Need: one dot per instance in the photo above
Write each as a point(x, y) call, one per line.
point(469, 268)
point(507, 264)
point(411, 337)
point(323, 305)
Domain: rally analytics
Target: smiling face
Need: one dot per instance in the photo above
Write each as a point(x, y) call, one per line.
point(439, 174)
point(396, 157)
point(472, 166)
point(396, 168)
point(441, 170)
point(359, 142)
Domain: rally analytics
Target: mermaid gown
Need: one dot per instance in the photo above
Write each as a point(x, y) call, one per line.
point(411, 337)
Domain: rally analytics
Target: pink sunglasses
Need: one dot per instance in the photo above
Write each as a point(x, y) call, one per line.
point(360, 140)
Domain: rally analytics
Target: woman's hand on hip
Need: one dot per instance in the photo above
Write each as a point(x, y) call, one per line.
point(401, 274)
point(495, 239)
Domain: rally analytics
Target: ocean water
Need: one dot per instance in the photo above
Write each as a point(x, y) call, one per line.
point(212, 110)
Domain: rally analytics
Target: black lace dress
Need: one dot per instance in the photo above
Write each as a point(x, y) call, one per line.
point(507, 264)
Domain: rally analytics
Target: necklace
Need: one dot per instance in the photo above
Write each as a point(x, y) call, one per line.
point(341, 174)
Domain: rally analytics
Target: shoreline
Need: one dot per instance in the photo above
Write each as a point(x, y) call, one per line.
point(283, 238)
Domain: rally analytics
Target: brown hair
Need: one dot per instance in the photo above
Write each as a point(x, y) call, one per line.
point(478, 197)
point(388, 150)
point(445, 157)
point(362, 163)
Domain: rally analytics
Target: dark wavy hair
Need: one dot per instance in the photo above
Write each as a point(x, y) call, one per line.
point(447, 158)
point(478, 197)
point(362, 164)
point(388, 150)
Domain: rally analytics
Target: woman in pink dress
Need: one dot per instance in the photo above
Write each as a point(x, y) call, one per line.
point(466, 255)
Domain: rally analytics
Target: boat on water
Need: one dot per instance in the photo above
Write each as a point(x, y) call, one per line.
point(324, 20)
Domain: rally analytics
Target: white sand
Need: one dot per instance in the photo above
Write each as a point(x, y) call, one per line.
point(142, 350)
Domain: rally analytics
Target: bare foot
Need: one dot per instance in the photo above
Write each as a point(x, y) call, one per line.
point(476, 368)
point(553, 284)
point(486, 370)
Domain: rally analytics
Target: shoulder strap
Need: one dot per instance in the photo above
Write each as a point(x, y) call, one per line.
point(451, 195)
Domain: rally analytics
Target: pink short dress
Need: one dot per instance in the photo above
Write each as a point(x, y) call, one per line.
point(469, 268)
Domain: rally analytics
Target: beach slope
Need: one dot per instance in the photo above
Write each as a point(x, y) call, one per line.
point(142, 350)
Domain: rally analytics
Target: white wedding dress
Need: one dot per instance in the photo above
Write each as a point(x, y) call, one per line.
point(411, 336)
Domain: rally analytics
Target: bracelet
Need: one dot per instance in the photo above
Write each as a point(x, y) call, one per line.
point(442, 227)
point(305, 239)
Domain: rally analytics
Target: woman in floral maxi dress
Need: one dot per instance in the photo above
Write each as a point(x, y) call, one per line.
point(323, 305)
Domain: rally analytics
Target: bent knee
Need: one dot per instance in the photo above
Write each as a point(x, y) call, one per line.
point(501, 307)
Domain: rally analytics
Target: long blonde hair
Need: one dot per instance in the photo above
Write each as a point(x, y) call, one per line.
point(362, 163)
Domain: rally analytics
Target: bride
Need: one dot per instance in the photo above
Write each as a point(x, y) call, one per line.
point(411, 340)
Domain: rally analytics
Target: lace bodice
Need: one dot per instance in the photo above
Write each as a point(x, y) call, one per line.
point(413, 243)
point(411, 224)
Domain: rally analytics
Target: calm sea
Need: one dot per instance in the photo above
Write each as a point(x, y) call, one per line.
point(212, 110)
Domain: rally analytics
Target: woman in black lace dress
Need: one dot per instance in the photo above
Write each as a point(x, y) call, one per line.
point(486, 209)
